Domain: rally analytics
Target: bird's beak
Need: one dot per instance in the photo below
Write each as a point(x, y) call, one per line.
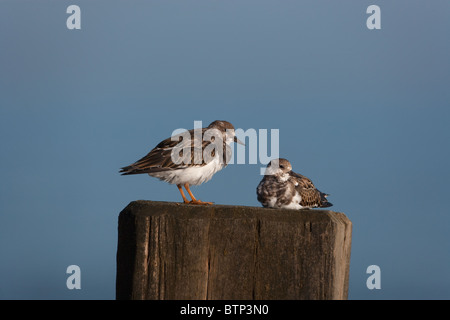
point(238, 141)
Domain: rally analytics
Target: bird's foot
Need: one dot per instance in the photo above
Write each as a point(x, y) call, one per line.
point(200, 202)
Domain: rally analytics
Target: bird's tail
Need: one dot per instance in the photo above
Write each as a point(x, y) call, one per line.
point(129, 170)
point(135, 170)
point(323, 200)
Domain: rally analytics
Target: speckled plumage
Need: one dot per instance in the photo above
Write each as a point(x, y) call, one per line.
point(159, 162)
point(283, 188)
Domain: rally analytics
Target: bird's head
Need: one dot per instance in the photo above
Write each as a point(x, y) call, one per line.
point(279, 167)
point(227, 129)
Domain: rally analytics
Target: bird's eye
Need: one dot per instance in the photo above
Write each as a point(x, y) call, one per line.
point(281, 166)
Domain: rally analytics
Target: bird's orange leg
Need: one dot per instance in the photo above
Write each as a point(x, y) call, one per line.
point(182, 193)
point(194, 201)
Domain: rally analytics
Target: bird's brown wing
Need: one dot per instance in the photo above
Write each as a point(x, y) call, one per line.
point(173, 153)
point(311, 197)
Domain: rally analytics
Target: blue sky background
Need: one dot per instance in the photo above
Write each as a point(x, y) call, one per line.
point(365, 114)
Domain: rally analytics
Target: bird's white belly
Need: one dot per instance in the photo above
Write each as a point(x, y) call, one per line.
point(295, 203)
point(191, 175)
point(272, 202)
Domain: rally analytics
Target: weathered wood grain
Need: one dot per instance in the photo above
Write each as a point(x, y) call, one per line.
point(172, 251)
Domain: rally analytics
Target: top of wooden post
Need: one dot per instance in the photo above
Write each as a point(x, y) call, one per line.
point(142, 208)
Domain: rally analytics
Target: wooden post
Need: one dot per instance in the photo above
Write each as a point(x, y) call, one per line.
point(172, 251)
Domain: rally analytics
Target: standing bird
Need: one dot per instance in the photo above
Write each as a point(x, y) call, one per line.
point(189, 158)
point(283, 188)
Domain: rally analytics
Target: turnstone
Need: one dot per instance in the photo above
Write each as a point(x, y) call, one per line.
point(189, 158)
point(283, 188)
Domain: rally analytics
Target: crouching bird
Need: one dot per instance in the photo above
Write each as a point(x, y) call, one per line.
point(283, 188)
